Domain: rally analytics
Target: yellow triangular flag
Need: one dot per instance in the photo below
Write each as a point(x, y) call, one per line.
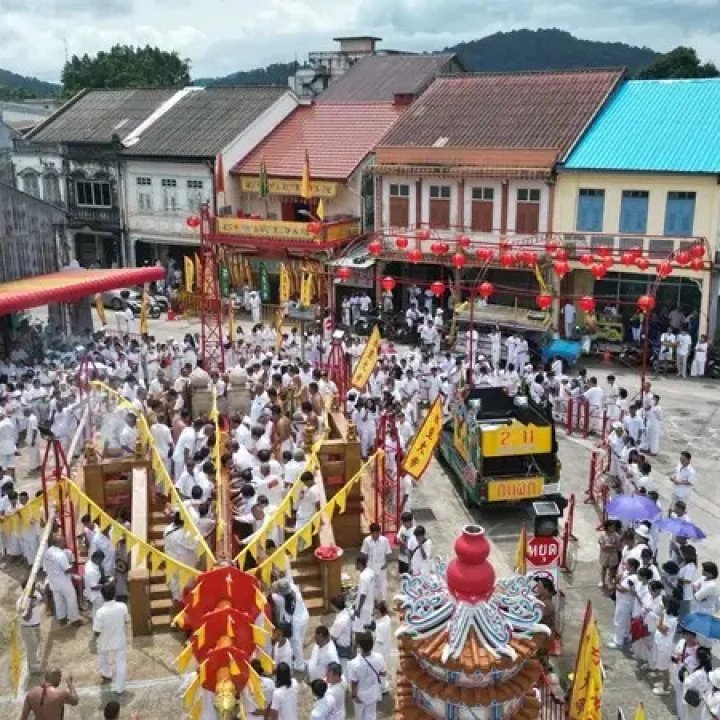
point(291, 548)
point(230, 630)
point(341, 500)
point(196, 712)
point(183, 659)
point(255, 686)
point(200, 635)
point(260, 599)
point(266, 572)
point(234, 667)
point(320, 212)
point(192, 688)
point(640, 712)
point(265, 660)
point(260, 634)
point(156, 561)
point(179, 619)
point(306, 535)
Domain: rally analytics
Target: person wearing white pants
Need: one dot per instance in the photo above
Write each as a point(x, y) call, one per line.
point(365, 673)
point(109, 624)
point(290, 608)
point(58, 570)
point(624, 601)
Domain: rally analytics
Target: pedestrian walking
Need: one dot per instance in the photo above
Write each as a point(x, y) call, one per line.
point(109, 625)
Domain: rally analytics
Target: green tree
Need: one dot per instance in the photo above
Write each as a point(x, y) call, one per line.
point(126, 66)
point(682, 62)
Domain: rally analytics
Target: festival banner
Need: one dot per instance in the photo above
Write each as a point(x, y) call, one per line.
point(521, 553)
point(587, 687)
point(306, 290)
point(279, 317)
point(25, 515)
point(264, 282)
point(232, 327)
point(284, 285)
point(305, 187)
point(189, 273)
point(640, 712)
point(368, 360)
point(214, 417)
point(423, 445)
point(248, 273)
point(224, 279)
point(100, 309)
point(199, 284)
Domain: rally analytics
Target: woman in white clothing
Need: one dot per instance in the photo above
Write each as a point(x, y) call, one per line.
point(383, 636)
point(284, 704)
point(695, 685)
point(663, 639)
point(653, 416)
point(706, 590)
point(697, 368)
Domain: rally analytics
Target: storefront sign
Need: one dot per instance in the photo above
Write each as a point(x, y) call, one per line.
point(264, 228)
point(278, 186)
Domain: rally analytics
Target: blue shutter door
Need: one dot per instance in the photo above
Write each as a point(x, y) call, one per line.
point(679, 216)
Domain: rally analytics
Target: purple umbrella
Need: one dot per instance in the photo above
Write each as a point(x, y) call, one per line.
point(632, 508)
point(681, 528)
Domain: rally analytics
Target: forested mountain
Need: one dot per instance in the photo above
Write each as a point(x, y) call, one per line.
point(17, 87)
point(511, 51)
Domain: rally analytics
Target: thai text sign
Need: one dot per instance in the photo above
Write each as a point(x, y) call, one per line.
point(515, 439)
point(280, 186)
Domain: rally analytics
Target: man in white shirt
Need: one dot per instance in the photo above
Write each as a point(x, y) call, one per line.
point(365, 602)
point(337, 687)
point(420, 552)
point(308, 502)
point(683, 479)
point(377, 549)
point(366, 672)
point(185, 447)
point(93, 580)
point(101, 541)
point(682, 350)
point(109, 626)
point(8, 443)
point(594, 395)
point(58, 570)
point(323, 653)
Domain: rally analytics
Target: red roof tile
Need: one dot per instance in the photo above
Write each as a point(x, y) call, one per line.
point(336, 137)
point(537, 110)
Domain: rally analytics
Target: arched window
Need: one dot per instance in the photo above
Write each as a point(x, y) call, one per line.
point(30, 183)
point(51, 188)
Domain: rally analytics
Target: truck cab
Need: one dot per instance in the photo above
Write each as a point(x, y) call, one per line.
point(500, 448)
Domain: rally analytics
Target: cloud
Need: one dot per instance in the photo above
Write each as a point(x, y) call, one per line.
point(226, 36)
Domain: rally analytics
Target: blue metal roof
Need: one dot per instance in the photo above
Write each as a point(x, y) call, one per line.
point(655, 126)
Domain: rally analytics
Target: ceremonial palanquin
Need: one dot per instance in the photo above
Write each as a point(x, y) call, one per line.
point(467, 644)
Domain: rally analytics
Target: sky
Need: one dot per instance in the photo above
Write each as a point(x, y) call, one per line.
point(223, 36)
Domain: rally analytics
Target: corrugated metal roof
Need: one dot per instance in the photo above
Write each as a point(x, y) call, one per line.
point(657, 126)
point(533, 110)
point(205, 121)
point(336, 137)
point(97, 115)
point(378, 78)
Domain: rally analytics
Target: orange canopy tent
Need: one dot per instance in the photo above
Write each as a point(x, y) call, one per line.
point(70, 286)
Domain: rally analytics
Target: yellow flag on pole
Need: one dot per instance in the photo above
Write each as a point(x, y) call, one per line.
point(521, 553)
point(306, 290)
point(198, 274)
point(284, 290)
point(144, 313)
point(368, 360)
point(305, 181)
point(640, 712)
point(320, 212)
point(100, 309)
point(423, 445)
point(232, 329)
point(587, 689)
point(189, 273)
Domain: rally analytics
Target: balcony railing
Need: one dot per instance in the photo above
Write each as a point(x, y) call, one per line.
point(109, 215)
point(332, 233)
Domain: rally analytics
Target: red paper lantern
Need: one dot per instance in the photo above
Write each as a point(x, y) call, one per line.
point(375, 247)
point(505, 246)
point(437, 288)
point(544, 301)
point(561, 254)
point(415, 255)
point(486, 289)
point(401, 241)
point(598, 271)
point(682, 257)
point(484, 254)
point(459, 260)
point(627, 258)
point(604, 251)
point(697, 264)
point(423, 234)
point(551, 246)
point(664, 268)
point(646, 303)
point(607, 261)
point(587, 304)
point(508, 259)
point(635, 250)
point(586, 259)
point(641, 263)
point(443, 248)
point(697, 251)
point(561, 268)
point(193, 221)
point(344, 273)
point(463, 241)
point(531, 258)
point(435, 248)
point(315, 227)
point(388, 283)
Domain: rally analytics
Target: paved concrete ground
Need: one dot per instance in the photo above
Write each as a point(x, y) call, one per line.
point(691, 421)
